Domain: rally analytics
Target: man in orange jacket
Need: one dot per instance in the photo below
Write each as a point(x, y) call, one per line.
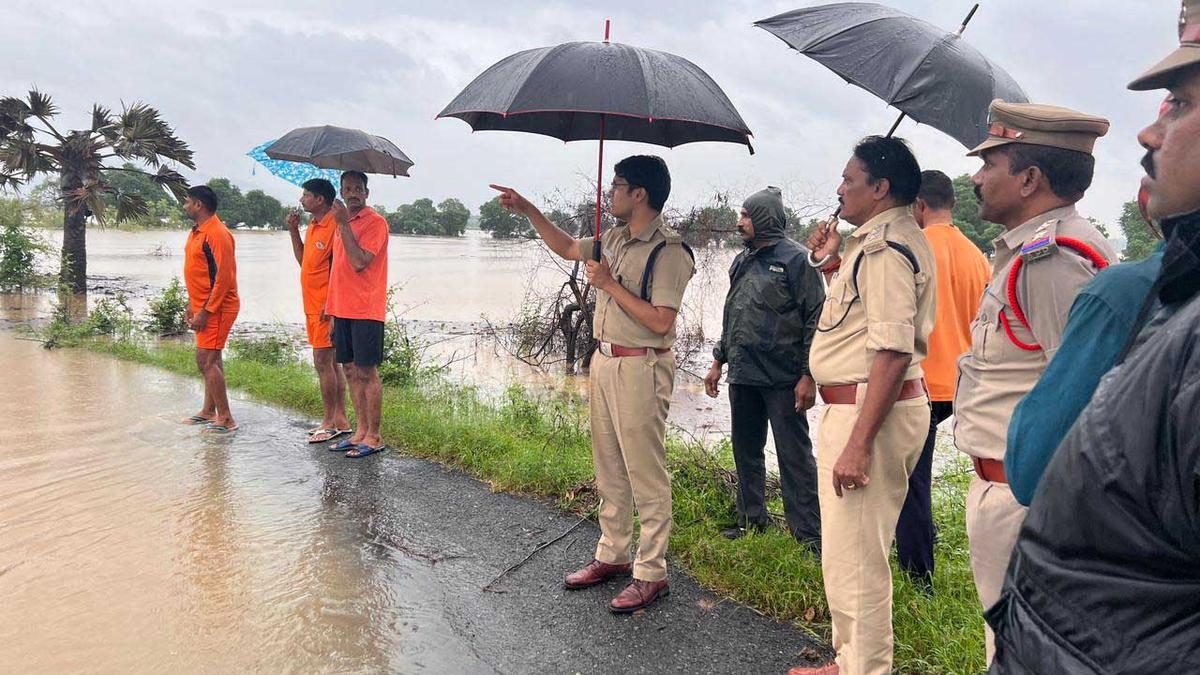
point(210, 274)
point(962, 276)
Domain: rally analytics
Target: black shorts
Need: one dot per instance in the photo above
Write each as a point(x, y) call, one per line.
point(358, 340)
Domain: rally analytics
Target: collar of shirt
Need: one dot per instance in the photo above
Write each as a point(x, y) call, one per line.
point(200, 227)
point(1016, 237)
point(879, 219)
point(365, 212)
point(929, 225)
point(650, 229)
point(328, 219)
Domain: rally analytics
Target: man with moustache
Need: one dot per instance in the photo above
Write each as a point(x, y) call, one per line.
point(640, 279)
point(1037, 163)
point(357, 301)
point(866, 359)
point(1105, 577)
point(771, 313)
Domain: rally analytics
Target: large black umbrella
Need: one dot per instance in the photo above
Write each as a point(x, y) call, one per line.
point(330, 147)
point(933, 76)
point(597, 91)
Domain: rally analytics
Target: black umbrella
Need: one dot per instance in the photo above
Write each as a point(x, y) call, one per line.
point(597, 91)
point(331, 147)
point(932, 75)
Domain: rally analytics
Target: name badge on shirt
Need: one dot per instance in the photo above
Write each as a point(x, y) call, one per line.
point(777, 268)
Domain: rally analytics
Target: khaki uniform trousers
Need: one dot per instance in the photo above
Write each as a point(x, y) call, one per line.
point(630, 396)
point(994, 518)
point(857, 530)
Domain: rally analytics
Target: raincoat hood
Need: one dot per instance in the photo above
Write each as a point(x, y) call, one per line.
point(766, 213)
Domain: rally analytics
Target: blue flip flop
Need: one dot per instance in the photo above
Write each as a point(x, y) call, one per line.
point(342, 446)
point(364, 450)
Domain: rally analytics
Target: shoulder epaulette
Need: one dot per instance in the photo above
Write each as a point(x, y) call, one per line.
point(1042, 244)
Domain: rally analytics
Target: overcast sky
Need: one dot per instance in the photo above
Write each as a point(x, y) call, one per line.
point(230, 74)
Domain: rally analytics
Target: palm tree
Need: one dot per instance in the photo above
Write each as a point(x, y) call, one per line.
point(31, 145)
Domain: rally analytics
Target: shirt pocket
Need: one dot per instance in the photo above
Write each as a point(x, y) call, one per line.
point(840, 299)
point(987, 337)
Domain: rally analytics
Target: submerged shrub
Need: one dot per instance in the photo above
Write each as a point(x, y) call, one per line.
point(165, 314)
point(20, 248)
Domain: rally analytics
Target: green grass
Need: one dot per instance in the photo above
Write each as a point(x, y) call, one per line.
point(541, 447)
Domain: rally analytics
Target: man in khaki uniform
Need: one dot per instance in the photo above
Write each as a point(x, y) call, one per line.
point(1037, 162)
point(866, 358)
point(632, 373)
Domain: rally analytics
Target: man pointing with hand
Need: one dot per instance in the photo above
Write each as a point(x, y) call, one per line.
point(639, 280)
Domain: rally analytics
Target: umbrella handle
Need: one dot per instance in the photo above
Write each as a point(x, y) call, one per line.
point(600, 170)
point(599, 196)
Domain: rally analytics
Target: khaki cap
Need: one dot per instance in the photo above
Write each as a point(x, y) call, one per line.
point(1037, 124)
point(1187, 55)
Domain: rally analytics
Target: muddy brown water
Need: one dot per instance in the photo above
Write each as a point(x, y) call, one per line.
point(447, 285)
point(130, 543)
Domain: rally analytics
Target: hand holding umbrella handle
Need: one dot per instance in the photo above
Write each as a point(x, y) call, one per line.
point(596, 249)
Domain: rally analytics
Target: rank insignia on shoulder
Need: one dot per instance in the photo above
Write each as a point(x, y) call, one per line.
point(1038, 249)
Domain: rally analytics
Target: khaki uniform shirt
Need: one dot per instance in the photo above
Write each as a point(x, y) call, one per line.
point(888, 308)
point(627, 256)
point(996, 374)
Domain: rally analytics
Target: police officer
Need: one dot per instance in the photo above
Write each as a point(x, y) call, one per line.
point(1037, 162)
point(771, 313)
point(639, 281)
point(866, 358)
point(1105, 576)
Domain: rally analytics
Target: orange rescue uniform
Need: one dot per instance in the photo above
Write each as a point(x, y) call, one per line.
point(360, 295)
point(210, 274)
point(314, 279)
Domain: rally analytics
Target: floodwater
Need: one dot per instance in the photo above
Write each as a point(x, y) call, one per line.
point(130, 543)
point(448, 286)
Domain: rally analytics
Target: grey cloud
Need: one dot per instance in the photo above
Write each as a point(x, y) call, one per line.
point(237, 72)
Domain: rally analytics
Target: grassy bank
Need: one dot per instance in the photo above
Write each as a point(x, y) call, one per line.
point(541, 447)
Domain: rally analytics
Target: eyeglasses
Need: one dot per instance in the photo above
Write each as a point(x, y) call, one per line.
point(615, 185)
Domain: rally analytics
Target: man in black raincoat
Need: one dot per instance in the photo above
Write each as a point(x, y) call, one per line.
point(1105, 576)
point(771, 312)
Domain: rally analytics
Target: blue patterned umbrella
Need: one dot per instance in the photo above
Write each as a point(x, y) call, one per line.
point(293, 172)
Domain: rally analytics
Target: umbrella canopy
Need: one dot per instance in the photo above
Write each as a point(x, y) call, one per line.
point(295, 173)
point(331, 147)
point(600, 90)
point(930, 74)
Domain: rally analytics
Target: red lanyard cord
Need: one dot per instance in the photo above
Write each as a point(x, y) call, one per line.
point(1073, 244)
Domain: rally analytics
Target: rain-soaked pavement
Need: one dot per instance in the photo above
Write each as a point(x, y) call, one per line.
point(132, 544)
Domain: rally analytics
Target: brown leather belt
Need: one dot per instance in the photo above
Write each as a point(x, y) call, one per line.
point(846, 394)
point(991, 470)
point(609, 349)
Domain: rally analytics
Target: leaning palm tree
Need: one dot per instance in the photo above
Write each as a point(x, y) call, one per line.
point(31, 145)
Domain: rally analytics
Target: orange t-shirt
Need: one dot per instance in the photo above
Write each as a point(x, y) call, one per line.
point(360, 295)
point(315, 263)
point(962, 275)
point(210, 269)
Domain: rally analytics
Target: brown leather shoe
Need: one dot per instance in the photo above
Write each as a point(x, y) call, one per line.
point(639, 595)
point(595, 572)
point(827, 669)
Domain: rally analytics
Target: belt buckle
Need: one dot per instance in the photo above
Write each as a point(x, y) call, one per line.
point(606, 349)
